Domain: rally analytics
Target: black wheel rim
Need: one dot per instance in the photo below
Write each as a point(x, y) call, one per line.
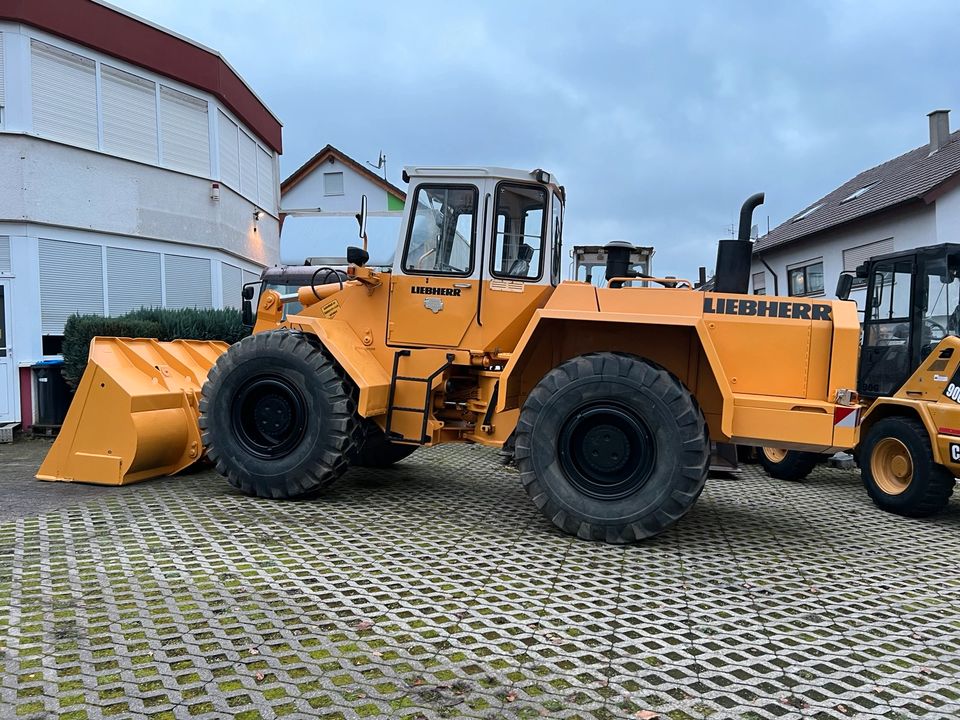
point(269, 415)
point(606, 450)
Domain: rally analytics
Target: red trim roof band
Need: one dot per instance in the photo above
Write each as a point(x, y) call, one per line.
point(114, 33)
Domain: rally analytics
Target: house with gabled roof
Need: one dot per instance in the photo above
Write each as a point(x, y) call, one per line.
point(318, 202)
point(910, 201)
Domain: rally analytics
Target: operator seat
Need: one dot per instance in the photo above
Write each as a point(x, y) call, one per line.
point(521, 266)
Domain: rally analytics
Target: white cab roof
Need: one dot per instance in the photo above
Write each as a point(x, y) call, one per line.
point(429, 171)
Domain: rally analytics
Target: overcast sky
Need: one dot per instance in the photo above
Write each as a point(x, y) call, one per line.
point(660, 121)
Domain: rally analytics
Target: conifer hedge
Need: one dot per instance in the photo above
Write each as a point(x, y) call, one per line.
point(161, 324)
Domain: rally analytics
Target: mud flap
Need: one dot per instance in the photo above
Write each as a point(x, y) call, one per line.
point(134, 415)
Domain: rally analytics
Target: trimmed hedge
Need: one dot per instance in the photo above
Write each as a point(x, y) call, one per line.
point(161, 324)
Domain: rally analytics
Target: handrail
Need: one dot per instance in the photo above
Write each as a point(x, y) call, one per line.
point(672, 283)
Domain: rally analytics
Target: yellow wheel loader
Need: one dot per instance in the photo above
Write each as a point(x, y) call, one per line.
point(609, 396)
point(908, 382)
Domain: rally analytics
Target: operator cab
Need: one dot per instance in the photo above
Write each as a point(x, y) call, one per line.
point(912, 303)
point(479, 247)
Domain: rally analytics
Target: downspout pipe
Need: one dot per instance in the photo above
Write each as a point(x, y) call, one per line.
point(776, 280)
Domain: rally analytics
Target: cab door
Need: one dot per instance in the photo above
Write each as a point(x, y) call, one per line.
point(890, 318)
point(434, 285)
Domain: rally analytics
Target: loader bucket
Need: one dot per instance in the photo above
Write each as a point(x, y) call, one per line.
point(134, 415)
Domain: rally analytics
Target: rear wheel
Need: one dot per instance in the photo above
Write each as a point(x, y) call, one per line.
point(375, 451)
point(787, 464)
point(278, 417)
point(612, 447)
point(896, 462)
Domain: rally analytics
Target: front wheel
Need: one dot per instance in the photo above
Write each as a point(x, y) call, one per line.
point(787, 464)
point(278, 417)
point(896, 463)
point(612, 447)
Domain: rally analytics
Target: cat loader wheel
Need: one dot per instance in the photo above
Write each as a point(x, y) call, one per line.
point(278, 418)
point(612, 447)
point(787, 464)
point(896, 461)
point(375, 451)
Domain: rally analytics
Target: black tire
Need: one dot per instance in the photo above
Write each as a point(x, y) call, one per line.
point(793, 465)
point(375, 451)
point(612, 447)
point(278, 417)
point(924, 490)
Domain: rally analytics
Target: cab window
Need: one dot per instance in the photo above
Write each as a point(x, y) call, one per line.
point(941, 290)
point(442, 233)
point(518, 237)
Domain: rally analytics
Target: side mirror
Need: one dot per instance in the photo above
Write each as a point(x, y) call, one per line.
point(362, 219)
point(844, 286)
point(246, 307)
point(357, 256)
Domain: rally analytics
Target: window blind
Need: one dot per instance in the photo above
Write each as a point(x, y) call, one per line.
point(64, 93)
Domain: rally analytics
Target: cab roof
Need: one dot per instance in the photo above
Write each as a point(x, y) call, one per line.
point(415, 172)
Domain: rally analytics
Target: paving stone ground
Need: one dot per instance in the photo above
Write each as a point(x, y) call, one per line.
point(436, 590)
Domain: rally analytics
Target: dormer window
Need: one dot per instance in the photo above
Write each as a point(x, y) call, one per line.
point(808, 212)
point(857, 193)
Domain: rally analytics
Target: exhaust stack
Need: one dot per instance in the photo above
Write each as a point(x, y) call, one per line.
point(733, 256)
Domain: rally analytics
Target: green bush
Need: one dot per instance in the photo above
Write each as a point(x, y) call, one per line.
point(161, 324)
point(190, 324)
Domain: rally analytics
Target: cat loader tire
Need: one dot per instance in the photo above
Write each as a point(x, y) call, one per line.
point(612, 447)
point(278, 416)
point(896, 463)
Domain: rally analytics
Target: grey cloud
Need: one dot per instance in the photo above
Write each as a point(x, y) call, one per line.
point(660, 118)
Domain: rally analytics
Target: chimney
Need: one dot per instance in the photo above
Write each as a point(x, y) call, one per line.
point(939, 129)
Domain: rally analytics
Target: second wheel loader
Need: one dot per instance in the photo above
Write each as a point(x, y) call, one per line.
point(908, 382)
point(610, 396)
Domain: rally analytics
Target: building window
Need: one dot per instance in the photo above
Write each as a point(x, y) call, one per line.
point(184, 132)
point(759, 283)
point(808, 212)
point(71, 281)
point(806, 279)
point(856, 256)
point(333, 183)
point(229, 150)
point(129, 114)
point(64, 93)
point(858, 192)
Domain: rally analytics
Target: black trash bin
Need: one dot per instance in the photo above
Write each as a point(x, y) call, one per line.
point(53, 395)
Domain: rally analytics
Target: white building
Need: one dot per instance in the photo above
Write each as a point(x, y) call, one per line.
point(910, 201)
point(136, 169)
